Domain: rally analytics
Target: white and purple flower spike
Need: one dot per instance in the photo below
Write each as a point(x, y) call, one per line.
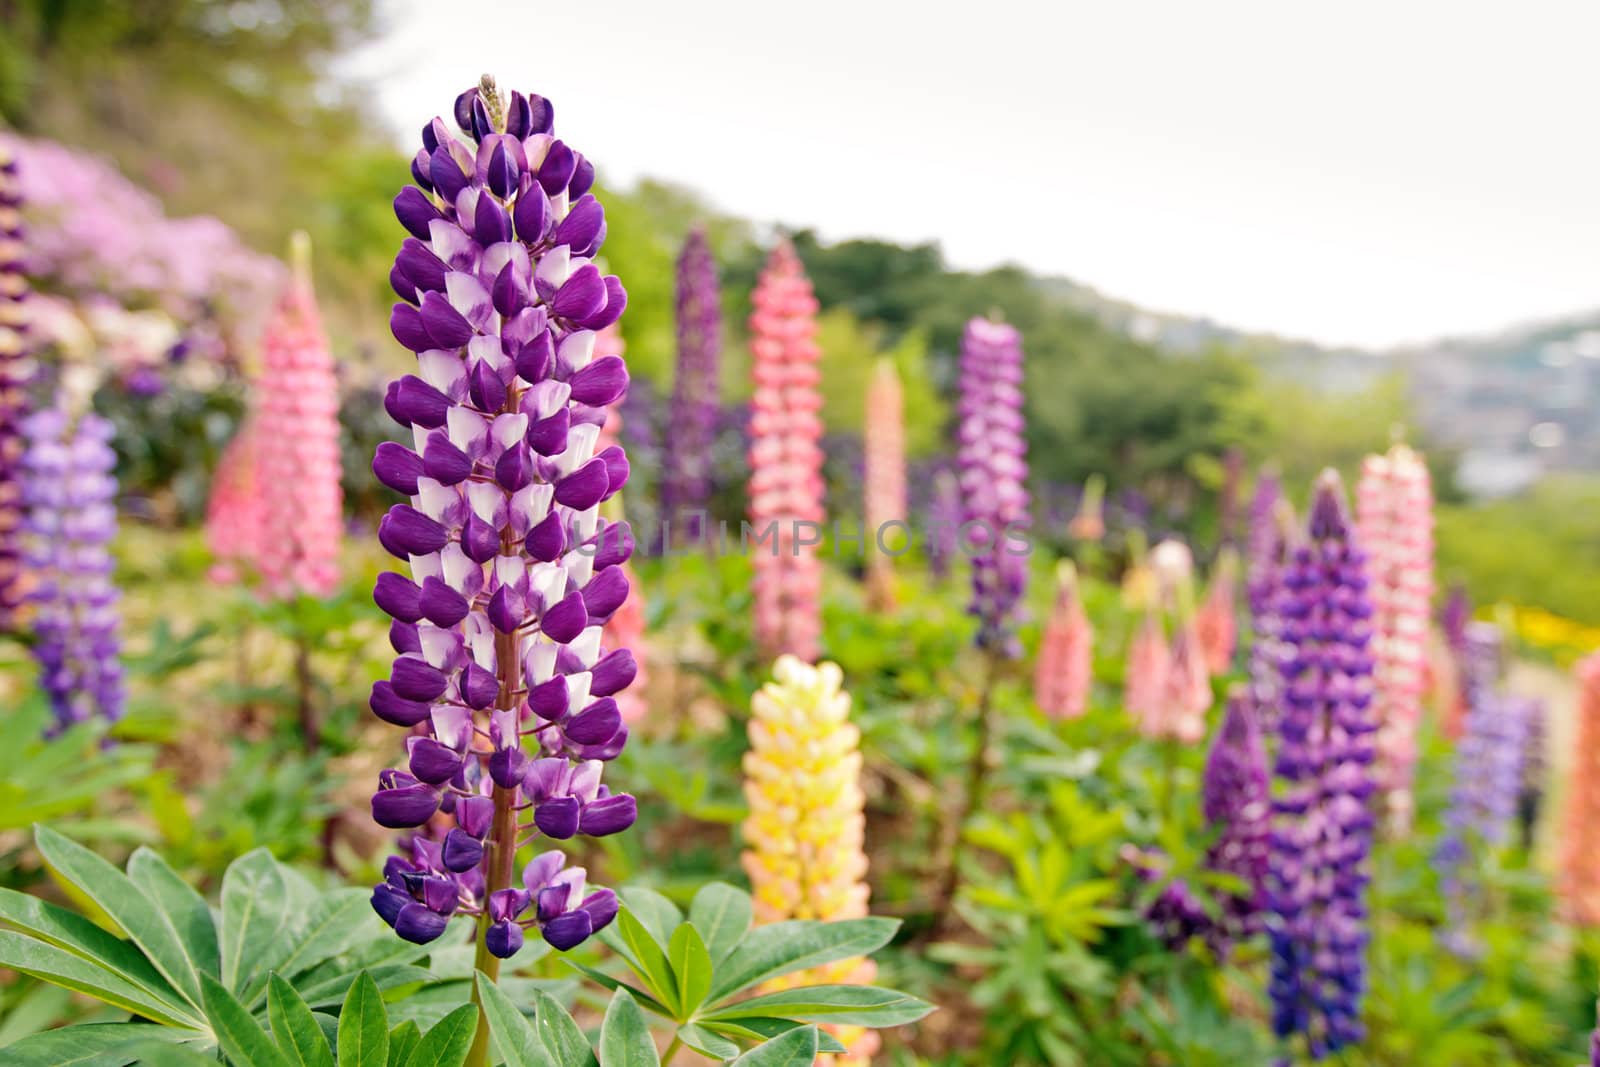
point(513, 571)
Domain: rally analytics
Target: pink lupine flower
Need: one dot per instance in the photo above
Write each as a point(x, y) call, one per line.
point(1063, 674)
point(1217, 620)
point(234, 513)
point(885, 482)
point(1394, 514)
point(1149, 662)
point(785, 488)
point(297, 415)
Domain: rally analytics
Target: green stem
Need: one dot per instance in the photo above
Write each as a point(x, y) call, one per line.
point(972, 797)
point(672, 1050)
point(305, 683)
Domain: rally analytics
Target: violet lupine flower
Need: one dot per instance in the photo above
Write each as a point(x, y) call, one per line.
point(16, 369)
point(1488, 778)
point(1176, 915)
point(69, 493)
point(696, 385)
point(944, 522)
point(1237, 802)
point(1322, 828)
point(514, 571)
point(1264, 569)
point(993, 466)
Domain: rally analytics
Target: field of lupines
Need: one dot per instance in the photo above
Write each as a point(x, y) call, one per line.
point(555, 758)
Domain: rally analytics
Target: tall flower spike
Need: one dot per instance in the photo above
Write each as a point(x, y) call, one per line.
point(1270, 520)
point(1145, 675)
point(234, 510)
point(696, 384)
point(785, 459)
point(1089, 522)
point(626, 627)
point(70, 495)
point(1394, 510)
point(1216, 621)
point(1322, 829)
point(502, 677)
point(1237, 805)
point(297, 412)
point(804, 835)
point(992, 458)
point(16, 369)
point(944, 522)
point(1064, 673)
point(1185, 694)
point(885, 481)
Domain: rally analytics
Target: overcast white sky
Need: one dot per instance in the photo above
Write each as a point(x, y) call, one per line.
point(1366, 172)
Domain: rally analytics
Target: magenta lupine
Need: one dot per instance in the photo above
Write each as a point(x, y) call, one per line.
point(296, 422)
point(16, 369)
point(1322, 826)
point(696, 385)
point(69, 493)
point(1237, 804)
point(513, 569)
point(992, 460)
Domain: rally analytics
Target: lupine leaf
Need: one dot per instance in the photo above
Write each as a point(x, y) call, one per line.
point(784, 947)
point(560, 1033)
point(707, 1042)
point(691, 966)
point(335, 922)
point(59, 967)
point(722, 915)
point(153, 1053)
point(624, 1037)
point(797, 1048)
point(256, 912)
point(854, 1005)
point(602, 978)
point(512, 1036)
point(766, 1030)
point(87, 1045)
point(447, 1043)
point(658, 914)
point(363, 1026)
point(241, 1037)
point(295, 1028)
point(402, 1040)
point(331, 992)
point(651, 960)
point(185, 909)
point(126, 905)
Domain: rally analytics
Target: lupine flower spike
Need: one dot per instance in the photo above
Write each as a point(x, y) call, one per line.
point(1063, 674)
point(297, 412)
point(1237, 805)
point(1270, 521)
point(626, 627)
point(804, 834)
point(785, 458)
point(944, 522)
point(1089, 522)
point(696, 384)
point(1185, 696)
point(234, 510)
point(502, 678)
point(1216, 620)
point(16, 369)
point(1394, 510)
point(70, 496)
point(1145, 679)
point(885, 480)
point(992, 458)
point(1322, 828)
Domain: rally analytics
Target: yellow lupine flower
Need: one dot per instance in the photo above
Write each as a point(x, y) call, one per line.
point(804, 835)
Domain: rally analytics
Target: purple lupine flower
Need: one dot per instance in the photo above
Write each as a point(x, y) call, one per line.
point(1322, 826)
point(1237, 804)
point(993, 467)
point(1454, 617)
point(944, 522)
point(686, 481)
point(1176, 915)
point(513, 570)
point(16, 369)
point(1488, 778)
point(69, 493)
point(1264, 570)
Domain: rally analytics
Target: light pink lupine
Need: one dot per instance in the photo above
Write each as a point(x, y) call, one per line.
point(1145, 680)
point(1217, 619)
point(785, 487)
point(1063, 673)
point(885, 482)
point(234, 512)
point(1394, 515)
point(1175, 706)
point(297, 417)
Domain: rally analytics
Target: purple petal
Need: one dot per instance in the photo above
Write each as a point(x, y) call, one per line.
point(417, 924)
point(556, 170)
point(405, 322)
point(475, 815)
point(507, 766)
point(582, 177)
point(531, 214)
point(569, 930)
point(595, 724)
point(395, 709)
point(548, 437)
point(514, 468)
point(403, 637)
point(404, 808)
point(397, 467)
point(584, 227)
point(446, 174)
point(416, 679)
point(444, 462)
point(611, 815)
point(398, 596)
point(601, 906)
point(418, 263)
point(616, 303)
point(614, 544)
point(461, 851)
point(601, 382)
point(446, 326)
point(430, 761)
point(388, 902)
point(406, 532)
point(503, 940)
point(613, 673)
point(479, 687)
point(490, 223)
point(616, 461)
point(414, 402)
point(605, 593)
point(566, 620)
point(547, 540)
point(584, 487)
point(415, 211)
point(443, 606)
point(580, 296)
point(557, 817)
point(519, 117)
point(548, 700)
point(484, 386)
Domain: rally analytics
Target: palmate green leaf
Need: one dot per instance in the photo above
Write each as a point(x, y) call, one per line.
point(447, 1043)
point(296, 1030)
point(72, 932)
point(560, 1033)
point(691, 966)
point(88, 1045)
point(30, 1007)
point(59, 967)
point(853, 1005)
point(185, 909)
point(241, 1037)
point(256, 912)
point(335, 924)
point(784, 947)
point(611, 984)
point(153, 1053)
point(707, 1042)
point(649, 959)
point(331, 992)
point(722, 914)
point(511, 1036)
point(403, 1039)
point(624, 1036)
point(363, 1026)
point(658, 914)
point(797, 1048)
point(767, 1029)
point(126, 905)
